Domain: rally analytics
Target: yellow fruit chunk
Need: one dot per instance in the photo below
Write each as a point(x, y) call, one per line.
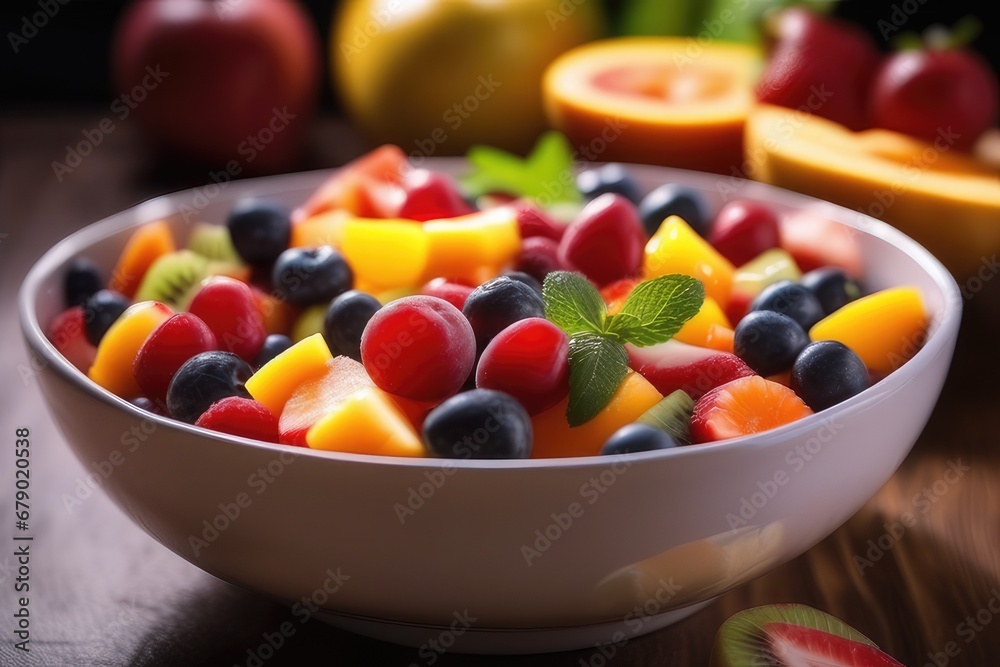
point(112, 367)
point(676, 248)
point(720, 338)
point(322, 229)
point(699, 329)
point(885, 328)
point(385, 254)
point(473, 247)
point(366, 422)
point(945, 199)
point(274, 382)
point(554, 438)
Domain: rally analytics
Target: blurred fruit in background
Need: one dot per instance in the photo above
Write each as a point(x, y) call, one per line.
point(436, 76)
point(218, 81)
point(659, 100)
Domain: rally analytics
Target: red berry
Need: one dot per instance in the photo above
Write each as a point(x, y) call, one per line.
point(172, 343)
point(939, 95)
point(606, 240)
point(539, 257)
point(431, 195)
point(240, 416)
point(419, 347)
point(453, 293)
point(743, 229)
point(229, 309)
point(68, 334)
point(675, 365)
point(532, 222)
point(530, 361)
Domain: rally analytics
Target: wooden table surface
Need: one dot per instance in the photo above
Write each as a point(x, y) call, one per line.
point(105, 593)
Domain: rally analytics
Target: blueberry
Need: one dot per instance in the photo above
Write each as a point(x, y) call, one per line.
point(826, 373)
point(274, 345)
point(260, 230)
point(637, 438)
point(768, 341)
point(204, 379)
point(832, 287)
point(81, 282)
point(498, 303)
point(479, 424)
point(100, 311)
point(307, 276)
point(612, 177)
point(791, 299)
point(525, 278)
point(345, 321)
point(675, 199)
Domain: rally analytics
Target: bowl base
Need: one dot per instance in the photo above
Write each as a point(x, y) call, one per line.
point(460, 637)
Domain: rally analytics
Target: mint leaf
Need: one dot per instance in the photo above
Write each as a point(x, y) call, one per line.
point(657, 309)
point(597, 366)
point(573, 304)
point(546, 173)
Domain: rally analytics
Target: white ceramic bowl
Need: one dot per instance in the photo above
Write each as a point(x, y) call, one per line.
point(509, 556)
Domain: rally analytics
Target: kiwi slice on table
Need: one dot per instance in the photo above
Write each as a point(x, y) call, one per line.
point(793, 634)
point(213, 242)
point(673, 415)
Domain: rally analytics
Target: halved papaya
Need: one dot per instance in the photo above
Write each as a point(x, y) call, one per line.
point(659, 100)
point(946, 200)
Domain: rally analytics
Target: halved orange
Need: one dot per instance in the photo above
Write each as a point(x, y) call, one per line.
point(659, 100)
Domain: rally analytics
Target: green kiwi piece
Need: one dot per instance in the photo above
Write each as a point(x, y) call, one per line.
point(213, 242)
point(741, 641)
point(673, 415)
point(174, 278)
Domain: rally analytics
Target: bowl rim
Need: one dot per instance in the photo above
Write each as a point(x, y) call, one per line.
point(941, 334)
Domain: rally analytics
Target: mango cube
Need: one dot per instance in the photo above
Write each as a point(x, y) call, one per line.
point(112, 367)
point(676, 248)
point(366, 422)
point(274, 382)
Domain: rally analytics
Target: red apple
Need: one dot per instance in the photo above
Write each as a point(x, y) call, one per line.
point(228, 82)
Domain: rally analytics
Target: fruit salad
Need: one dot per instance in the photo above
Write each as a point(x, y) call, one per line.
point(528, 309)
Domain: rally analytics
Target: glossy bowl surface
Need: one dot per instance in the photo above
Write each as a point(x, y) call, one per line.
point(521, 556)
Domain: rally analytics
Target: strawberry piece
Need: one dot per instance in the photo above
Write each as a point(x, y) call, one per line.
point(166, 349)
point(814, 241)
point(532, 222)
point(606, 241)
point(230, 310)
point(431, 195)
point(68, 334)
point(240, 416)
point(793, 645)
point(675, 365)
point(313, 400)
point(743, 407)
point(369, 186)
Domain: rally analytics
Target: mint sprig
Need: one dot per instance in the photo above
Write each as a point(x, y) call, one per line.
point(598, 362)
point(546, 174)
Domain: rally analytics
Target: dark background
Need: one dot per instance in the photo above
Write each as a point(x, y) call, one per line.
point(67, 63)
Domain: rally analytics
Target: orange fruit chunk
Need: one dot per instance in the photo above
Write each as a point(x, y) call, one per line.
point(366, 422)
point(273, 383)
point(112, 367)
point(555, 438)
point(743, 407)
point(146, 244)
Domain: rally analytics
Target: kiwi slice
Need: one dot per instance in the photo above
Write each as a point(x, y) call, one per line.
point(765, 635)
point(213, 242)
point(673, 415)
point(174, 278)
